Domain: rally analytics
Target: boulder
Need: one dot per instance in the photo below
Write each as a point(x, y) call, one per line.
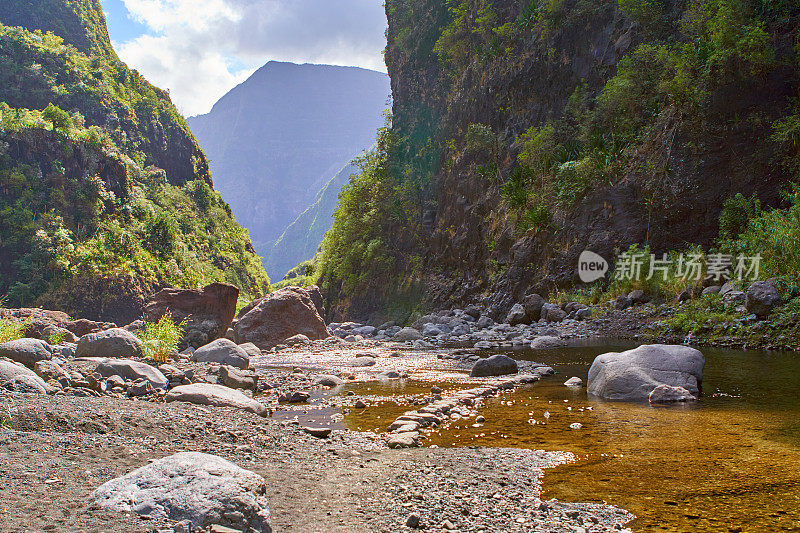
point(316, 296)
point(363, 360)
point(297, 340)
point(734, 298)
point(431, 330)
point(203, 489)
point(329, 381)
point(714, 289)
point(533, 306)
point(27, 384)
point(632, 375)
point(26, 351)
point(407, 439)
point(517, 315)
point(271, 320)
point(496, 365)
point(209, 310)
point(251, 349)
point(623, 302)
point(38, 320)
point(555, 314)
point(216, 395)
point(474, 311)
point(48, 370)
point(9, 370)
point(236, 379)
point(638, 297)
point(52, 332)
point(407, 334)
point(114, 343)
point(762, 298)
point(668, 394)
point(574, 382)
point(547, 342)
point(133, 371)
point(224, 352)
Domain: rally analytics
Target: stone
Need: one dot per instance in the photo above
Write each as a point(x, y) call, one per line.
point(413, 521)
point(431, 330)
point(638, 297)
point(365, 331)
point(215, 395)
point(623, 302)
point(421, 345)
point(297, 340)
point(329, 381)
point(762, 298)
point(686, 295)
point(556, 314)
point(483, 345)
point(294, 396)
point(632, 375)
point(735, 298)
point(204, 489)
point(668, 394)
point(714, 289)
point(251, 349)
point(132, 371)
point(364, 360)
point(140, 387)
point(26, 383)
point(389, 374)
point(224, 352)
point(209, 310)
point(576, 425)
point(407, 334)
point(269, 321)
point(574, 382)
point(48, 370)
point(234, 378)
point(52, 332)
point(114, 343)
point(496, 365)
point(533, 306)
point(407, 439)
point(320, 433)
point(547, 342)
point(517, 315)
point(26, 351)
point(360, 404)
point(583, 314)
point(474, 311)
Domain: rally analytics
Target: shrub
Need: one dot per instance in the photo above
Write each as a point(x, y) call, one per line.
point(539, 148)
point(162, 236)
point(161, 338)
point(11, 330)
point(736, 214)
point(57, 117)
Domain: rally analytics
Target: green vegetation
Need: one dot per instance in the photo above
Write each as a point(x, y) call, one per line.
point(117, 186)
point(160, 339)
point(11, 330)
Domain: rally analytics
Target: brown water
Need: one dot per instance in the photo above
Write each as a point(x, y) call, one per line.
point(731, 462)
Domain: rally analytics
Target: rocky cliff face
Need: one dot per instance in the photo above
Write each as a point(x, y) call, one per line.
point(105, 195)
point(278, 138)
point(539, 130)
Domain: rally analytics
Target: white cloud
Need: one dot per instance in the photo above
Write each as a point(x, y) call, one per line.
point(201, 49)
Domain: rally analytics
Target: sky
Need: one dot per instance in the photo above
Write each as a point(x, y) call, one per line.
point(200, 49)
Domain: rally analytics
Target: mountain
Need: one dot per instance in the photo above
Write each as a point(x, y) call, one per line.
point(524, 133)
point(105, 195)
point(278, 138)
point(301, 239)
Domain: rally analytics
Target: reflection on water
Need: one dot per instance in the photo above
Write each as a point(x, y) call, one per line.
point(731, 462)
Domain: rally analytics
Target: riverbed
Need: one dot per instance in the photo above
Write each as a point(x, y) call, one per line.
point(729, 462)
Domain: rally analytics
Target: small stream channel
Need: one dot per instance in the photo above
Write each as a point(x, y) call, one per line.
point(730, 462)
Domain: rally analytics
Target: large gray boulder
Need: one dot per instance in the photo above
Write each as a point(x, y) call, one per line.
point(762, 298)
point(26, 384)
point(547, 342)
point(517, 315)
point(496, 365)
point(133, 371)
point(634, 374)
point(204, 489)
point(407, 334)
point(224, 352)
point(9, 370)
point(26, 351)
point(533, 306)
point(216, 395)
point(114, 343)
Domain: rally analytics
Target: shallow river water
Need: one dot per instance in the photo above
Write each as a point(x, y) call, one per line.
point(730, 462)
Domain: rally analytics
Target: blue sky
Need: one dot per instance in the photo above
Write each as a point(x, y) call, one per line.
point(200, 49)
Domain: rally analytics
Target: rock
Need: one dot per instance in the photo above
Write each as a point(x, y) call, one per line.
point(297, 340)
point(413, 521)
point(209, 310)
point(203, 489)
point(686, 295)
point(269, 321)
point(52, 332)
point(623, 302)
point(576, 425)
point(496, 365)
point(140, 387)
point(474, 311)
point(638, 297)
point(37, 320)
point(114, 343)
point(436, 390)
point(360, 404)
point(224, 352)
point(553, 313)
point(320, 433)
point(483, 345)
point(431, 330)
point(364, 360)
point(714, 289)
point(732, 297)
point(762, 298)
point(26, 351)
point(407, 334)
point(668, 394)
point(132, 371)
point(329, 381)
point(365, 331)
point(725, 289)
point(583, 314)
point(547, 342)
point(632, 375)
point(421, 345)
point(574, 382)
point(389, 374)
point(26, 383)
point(251, 349)
point(294, 396)
point(236, 379)
point(533, 306)
point(407, 439)
point(48, 370)
point(216, 395)
point(517, 315)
